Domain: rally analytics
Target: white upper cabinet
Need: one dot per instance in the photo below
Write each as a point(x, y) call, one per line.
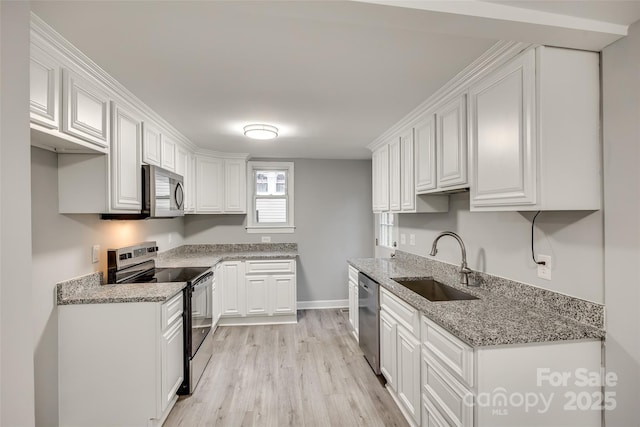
point(425, 153)
point(151, 144)
point(235, 186)
point(407, 177)
point(85, 109)
point(44, 74)
point(380, 176)
point(221, 185)
point(529, 122)
point(394, 175)
point(451, 144)
point(168, 159)
point(126, 188)
point(209, 188)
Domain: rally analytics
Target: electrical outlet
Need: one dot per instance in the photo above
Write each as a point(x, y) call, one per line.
point(266, 239)
point(412, 239)
point(95, 253)
point(544, 271)
point(403, 239)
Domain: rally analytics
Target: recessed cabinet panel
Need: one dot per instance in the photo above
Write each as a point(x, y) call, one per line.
point(256, 291)
point(407, 177)
point(210, 176)
point(168, 160)
point(408, 385)
point(451, 134)
point(172, 362)
point(44, 88)
point(502, 135)
point(151, 148)
point(233, 289)
point(85, 109)
point(394, 175)
point(235, 181)
point(126, 186)
point(283, 294)
point(425, 153)
point(388, 352)
point(380, 177)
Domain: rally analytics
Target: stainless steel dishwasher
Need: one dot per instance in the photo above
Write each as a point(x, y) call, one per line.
point(369, 320)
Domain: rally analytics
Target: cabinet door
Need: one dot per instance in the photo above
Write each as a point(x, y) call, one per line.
point(190, 184)
point(394, 175)
point(168, 158)
point(425, 153)
point(352, 306)
point(388, 349)
point(257, 291)
point(451, 133)
point(233, 289)
point(210, 181)
point(380, 178)
point(503, 145)
point(235, 182)
point(126, 189)
point(182, 158)
point(408, 384)
point(283, 294)
point(44, 86)
point(407, 176)
point(85, 109)
point(151, 137)
point(172, 357)
point(216, 300)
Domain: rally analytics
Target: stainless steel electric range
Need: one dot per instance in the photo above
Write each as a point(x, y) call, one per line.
point(136, 264)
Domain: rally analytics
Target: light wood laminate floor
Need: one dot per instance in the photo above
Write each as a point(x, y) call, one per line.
point(309, 374)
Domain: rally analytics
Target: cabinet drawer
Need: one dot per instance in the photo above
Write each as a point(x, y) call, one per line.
point(452, 353)
point(172, 311)
point(353, 274)
point(270, 266)
point(447, 395)
point(401, 311)
point(431, 417)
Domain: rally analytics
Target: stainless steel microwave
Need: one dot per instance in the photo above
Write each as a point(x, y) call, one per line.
point(162, 193)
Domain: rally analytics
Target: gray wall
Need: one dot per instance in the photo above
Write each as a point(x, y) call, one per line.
point(499, 243)
point(333, 222)
point(621, 106)
point(16, 312)
point(62, 250)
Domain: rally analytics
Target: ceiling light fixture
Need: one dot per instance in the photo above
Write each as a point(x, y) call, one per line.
point(260, 131)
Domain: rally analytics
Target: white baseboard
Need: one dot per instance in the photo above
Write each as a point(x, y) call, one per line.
point(332, 303)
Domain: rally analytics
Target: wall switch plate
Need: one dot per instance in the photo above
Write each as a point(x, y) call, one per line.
point(403, 239)
point(544, 271)
point(266, 239)
point(412, 239)
point(95, 253)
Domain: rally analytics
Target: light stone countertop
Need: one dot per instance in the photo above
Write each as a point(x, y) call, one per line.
point(493, 319)
point(89, 289)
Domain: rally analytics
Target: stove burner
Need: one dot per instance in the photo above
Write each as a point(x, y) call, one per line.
point(165, 275)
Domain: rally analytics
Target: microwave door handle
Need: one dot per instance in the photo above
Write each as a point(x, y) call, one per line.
point(179, 195)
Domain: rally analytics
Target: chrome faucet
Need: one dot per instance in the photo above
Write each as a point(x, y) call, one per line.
point(464, 270)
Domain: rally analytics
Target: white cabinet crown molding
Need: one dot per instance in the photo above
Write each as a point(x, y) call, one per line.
point(498, 54)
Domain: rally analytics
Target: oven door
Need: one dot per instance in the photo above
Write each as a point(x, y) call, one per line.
point(201, 313)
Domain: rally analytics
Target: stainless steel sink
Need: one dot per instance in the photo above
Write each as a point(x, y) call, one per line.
point(432, 289)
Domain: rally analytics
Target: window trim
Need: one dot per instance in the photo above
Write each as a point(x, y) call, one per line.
point(252, 226)
point(392, 230)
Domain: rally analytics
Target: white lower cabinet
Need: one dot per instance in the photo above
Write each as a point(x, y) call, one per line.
point(119, 364)
point(353, 302)
point(232, 288)
point(400, 353)
point(509, 385)
point(216, 298)
point(258, 291)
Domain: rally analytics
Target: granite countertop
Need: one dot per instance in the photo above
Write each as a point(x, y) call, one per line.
point(89, 289)
point(493, 319)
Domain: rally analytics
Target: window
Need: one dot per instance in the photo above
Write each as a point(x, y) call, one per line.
point(270, 197)
point(386, 231)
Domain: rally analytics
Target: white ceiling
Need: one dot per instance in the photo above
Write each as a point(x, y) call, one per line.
point(331, 75)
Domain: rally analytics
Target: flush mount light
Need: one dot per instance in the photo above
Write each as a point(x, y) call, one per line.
point(260, 131)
